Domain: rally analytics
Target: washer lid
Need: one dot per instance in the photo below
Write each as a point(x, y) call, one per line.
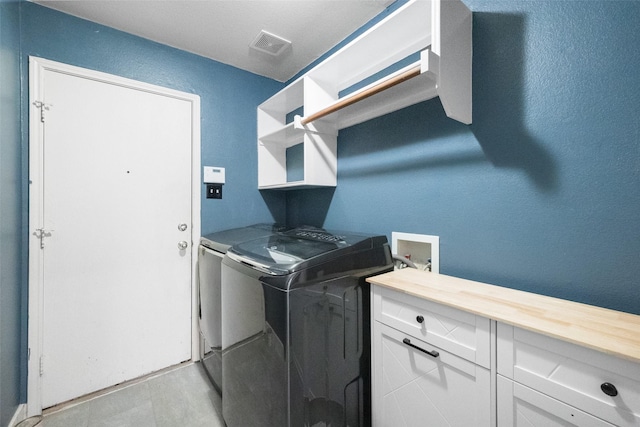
point(221, 241)
point(296, 249)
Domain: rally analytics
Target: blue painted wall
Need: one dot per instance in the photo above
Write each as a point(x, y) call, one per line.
point(10, 210)
point(542, 192)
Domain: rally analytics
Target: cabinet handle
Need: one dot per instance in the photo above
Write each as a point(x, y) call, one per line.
point(419, 319)
point(609, 389)
point(431, 353)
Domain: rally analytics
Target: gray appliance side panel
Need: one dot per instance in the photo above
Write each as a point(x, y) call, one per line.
point(210, 317)
point(209, 275)
point(255, 386)
point(242, 303)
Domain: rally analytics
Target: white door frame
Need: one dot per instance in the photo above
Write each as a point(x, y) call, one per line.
point(37, 67)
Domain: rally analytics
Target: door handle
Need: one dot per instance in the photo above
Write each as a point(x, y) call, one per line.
point(183, 245)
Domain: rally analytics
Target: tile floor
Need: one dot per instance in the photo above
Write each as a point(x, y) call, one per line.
point(179, 397)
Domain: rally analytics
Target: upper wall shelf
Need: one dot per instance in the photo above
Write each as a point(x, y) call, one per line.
point(420, 51)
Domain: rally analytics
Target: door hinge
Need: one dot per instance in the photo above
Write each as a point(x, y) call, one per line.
point(41, 233)
point(43, 109)
point(41, 365)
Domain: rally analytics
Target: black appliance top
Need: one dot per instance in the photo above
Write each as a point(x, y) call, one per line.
point(301, 248)
point(221, 241)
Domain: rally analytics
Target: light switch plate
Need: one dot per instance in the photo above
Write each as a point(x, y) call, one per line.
point(214, 191)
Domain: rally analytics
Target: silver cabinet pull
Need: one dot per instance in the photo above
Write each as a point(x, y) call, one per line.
point(182, 227)
point(183, 245)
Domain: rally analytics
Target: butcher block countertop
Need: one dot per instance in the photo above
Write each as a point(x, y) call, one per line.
point(612, 332)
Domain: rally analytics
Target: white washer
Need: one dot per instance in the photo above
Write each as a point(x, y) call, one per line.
point(211, 251)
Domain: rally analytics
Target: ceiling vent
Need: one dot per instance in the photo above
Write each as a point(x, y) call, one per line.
point(270, 43)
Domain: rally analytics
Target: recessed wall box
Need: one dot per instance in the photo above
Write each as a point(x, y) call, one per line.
point(213, 175)
point(423, 250)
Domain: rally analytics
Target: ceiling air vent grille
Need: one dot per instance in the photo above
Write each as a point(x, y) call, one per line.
point(270, 43)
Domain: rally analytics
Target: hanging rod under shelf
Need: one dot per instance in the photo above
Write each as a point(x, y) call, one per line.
point(347, 101)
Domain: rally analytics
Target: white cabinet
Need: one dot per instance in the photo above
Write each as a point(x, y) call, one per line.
point(542, 378)
point(550, 362)
point(425, 363)
point(430, 36)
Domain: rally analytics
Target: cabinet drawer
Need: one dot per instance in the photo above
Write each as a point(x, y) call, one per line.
point(572, 374)
point(521, 406)
point(456, 331)
point(411, 388)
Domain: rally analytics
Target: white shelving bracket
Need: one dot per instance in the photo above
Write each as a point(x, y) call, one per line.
point(456, 51)
point(430, 64)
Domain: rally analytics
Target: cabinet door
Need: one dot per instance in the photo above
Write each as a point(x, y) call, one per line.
point(521, 406)
point(412, 388)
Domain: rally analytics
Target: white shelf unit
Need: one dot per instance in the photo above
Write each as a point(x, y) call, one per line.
point(440, 30)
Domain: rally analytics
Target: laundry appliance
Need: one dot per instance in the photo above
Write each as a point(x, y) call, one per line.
point(211, 251)
point(296, 328)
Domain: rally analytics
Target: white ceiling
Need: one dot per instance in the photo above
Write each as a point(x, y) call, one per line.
point(223, 29)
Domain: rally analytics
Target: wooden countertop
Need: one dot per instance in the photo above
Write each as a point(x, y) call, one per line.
point(605, 330)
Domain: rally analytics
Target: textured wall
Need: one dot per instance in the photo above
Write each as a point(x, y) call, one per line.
point(542, 191)
point(10, 210)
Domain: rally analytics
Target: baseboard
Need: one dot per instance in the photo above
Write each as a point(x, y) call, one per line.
point(20, 415)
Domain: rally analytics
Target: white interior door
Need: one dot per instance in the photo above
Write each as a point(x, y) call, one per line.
point(115, 258)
